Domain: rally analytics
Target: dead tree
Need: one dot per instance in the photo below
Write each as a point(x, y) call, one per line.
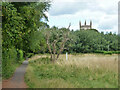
point(52, 46)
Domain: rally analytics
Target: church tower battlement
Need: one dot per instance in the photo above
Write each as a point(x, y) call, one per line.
point(85, 26)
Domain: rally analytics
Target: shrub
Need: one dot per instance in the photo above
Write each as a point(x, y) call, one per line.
point(20, 55)
point(9, 57)
point(107, 52)
point(12, 54)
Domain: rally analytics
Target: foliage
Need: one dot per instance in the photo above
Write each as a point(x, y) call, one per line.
point(19, 21)
point(9, 62)
point(29, 55)
point(20, 55)
point(37, 42)
point(89, 41)
point(13, 26)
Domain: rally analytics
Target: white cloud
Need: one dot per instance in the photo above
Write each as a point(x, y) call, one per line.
point(103, 13)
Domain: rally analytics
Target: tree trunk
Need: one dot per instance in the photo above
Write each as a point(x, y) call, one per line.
point(53, 59)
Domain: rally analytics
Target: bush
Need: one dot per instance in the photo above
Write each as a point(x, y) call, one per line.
point(9, 57)
point(107, 52)
point(20, 55)
point(12, 54)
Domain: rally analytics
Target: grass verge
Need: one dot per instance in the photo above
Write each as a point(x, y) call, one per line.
point(9, 70)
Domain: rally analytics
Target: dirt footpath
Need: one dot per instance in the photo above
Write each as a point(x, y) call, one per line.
point(17, 81)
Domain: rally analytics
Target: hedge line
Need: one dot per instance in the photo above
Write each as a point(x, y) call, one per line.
point(107, 52)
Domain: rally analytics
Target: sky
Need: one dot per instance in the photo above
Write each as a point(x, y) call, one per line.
point(102, 13)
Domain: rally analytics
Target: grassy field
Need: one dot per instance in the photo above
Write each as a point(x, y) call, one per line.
point(79, 71)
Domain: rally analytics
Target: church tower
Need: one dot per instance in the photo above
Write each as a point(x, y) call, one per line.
point(90, 24)
point(85, 22)
point(80, 24)
point(85, 26)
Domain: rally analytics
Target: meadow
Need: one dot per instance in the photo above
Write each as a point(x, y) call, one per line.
point(79, 71)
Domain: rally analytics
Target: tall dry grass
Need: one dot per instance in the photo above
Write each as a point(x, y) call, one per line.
point(82, 70)
point(91, 61)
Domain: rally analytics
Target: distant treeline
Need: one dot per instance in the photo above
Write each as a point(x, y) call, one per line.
point(92, 41)
point(23, 35)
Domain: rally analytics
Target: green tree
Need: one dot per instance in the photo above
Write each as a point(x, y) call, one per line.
point(56, 40)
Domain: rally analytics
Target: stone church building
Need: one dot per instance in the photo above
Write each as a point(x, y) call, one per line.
point(85, 27)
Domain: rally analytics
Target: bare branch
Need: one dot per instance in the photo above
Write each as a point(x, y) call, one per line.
point(48, 44)
point(62, 47)
point(69, 25)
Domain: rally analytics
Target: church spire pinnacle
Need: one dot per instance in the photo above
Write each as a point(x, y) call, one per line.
point(80, 24)
point(90, 24)
point(85, 22)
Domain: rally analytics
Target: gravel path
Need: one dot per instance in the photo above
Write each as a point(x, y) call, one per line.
point(17, 81)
